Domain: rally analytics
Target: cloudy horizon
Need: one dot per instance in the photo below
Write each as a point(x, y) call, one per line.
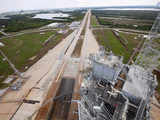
point(8, 5)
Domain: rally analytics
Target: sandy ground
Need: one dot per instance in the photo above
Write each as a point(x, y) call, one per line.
point(89, 46)
point(155, 112)
point(155, 109)
point(44, 72)
point(50, 79)
point(70, 69)
point(71, 49)
point(38, 73)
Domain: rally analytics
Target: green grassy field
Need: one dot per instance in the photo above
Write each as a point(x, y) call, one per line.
point(107, 39)
point(94, 21)
point(5, 70)
point(1, 35)
point(131, 41)
point(126, 19)
point(21, 48)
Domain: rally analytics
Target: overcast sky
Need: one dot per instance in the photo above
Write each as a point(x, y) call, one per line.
point(10, 5)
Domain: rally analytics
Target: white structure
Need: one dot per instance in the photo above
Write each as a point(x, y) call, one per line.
point(74, 24)
point(62, 31)
point(53, 25)
point(1, 44)
point(50, 16)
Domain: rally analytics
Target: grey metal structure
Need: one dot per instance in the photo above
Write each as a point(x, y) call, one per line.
point(149, 56)
point(101, 71)
point(101, 99)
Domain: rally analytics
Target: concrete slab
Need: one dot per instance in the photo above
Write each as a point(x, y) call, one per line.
point(37, 72)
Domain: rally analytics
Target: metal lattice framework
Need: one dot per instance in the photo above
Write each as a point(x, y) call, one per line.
point(98, 100)
point(149, 56)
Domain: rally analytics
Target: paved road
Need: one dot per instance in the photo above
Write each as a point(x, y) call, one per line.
point(70, 74)
point(89, 46)
point(49, 80)
point(42, 73)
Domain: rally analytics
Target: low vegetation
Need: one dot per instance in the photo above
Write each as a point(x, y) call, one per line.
point(21, 49)
point(20, 22)
point(112, 24)
point(139, 20)
point(131, 14)
point(1, 34)
point(94, 21)
point(107, 39)
point(132, 40)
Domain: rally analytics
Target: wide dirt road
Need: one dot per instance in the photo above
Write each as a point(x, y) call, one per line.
point(89, 46)
point(34, 87)
point(62, 62)
point(43, 74)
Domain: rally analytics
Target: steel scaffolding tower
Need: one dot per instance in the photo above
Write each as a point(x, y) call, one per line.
point(149, 56)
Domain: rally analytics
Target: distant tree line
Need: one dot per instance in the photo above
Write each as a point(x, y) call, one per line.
point(132, 14)
point(77, 15)
point(113, 25)
point(21, 22)
point(25, 21)
point(138, 15)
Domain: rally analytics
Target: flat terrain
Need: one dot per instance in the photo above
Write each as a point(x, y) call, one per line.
point(127, 21)
point(77, 51)
point(94, 21)
point(107, 39)
point(42, 74)
point(49, 72)
point(20, 22)
point(56, 70)
point(130, 19)
point(1, 34)
point(130, 14)
point(21, 48)
point(24, 50)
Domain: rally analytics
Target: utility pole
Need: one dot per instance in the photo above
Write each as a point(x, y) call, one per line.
point(149, 55)
point(12, 65)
